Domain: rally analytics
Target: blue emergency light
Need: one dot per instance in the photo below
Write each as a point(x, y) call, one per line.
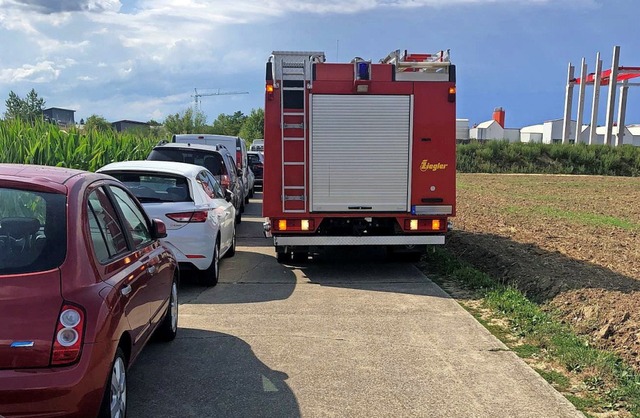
point(363, 70)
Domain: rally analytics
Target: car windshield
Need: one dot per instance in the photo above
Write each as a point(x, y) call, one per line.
point(33, 233)
point(254, 159)
point(153, 187)
point(211, 160)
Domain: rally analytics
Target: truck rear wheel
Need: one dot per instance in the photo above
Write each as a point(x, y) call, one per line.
point(300, 256)
point(283, 256)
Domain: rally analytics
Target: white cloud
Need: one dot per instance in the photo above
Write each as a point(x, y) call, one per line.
point(120, 55)
point(42, 72)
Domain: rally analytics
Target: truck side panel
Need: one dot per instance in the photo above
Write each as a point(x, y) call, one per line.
point(434, 146)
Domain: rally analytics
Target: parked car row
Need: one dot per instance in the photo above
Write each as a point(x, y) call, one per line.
point(90, 265)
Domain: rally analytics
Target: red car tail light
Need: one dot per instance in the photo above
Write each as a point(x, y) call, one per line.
point(197, 216)
point(239, 159)
point(67, 343)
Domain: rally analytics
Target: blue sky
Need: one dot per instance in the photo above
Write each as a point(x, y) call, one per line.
point(142, 59)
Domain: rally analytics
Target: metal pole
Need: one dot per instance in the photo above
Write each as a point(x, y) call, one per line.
point(622, 109)
point(567, 105)
point(581, 90)
point(611, 99)
point(596, 101)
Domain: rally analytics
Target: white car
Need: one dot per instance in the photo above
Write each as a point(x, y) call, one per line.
point(198, 214)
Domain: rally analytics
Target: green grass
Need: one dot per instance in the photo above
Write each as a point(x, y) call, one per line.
point(590, 219)
point(557, 379)
point(611, 384)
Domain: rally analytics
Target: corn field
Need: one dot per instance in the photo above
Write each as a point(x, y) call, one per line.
point(46, 144)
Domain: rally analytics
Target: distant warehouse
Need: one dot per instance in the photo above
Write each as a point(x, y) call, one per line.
point(125, 125)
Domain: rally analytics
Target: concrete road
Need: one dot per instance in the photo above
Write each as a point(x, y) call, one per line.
point(347, 335)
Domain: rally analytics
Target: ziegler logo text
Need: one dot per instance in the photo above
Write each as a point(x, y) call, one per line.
point(425, 165)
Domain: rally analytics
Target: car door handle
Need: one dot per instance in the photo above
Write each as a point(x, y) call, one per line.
point(126, 290)
point(152, 269)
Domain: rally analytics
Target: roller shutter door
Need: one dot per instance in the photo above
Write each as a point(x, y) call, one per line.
point(360, 153)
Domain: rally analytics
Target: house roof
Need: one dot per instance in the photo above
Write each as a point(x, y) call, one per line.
point(601, 130)
point(486, 124)
point(538, 129)
point(634, 129)
point(130, 121)
point(58, 108)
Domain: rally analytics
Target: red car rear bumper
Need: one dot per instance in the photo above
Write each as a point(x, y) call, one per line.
point(73, 391)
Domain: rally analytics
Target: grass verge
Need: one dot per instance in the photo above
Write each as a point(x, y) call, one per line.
point(597, 382)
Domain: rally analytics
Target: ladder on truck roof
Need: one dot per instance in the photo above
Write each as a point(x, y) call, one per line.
point(292, 72)
point(420, 67)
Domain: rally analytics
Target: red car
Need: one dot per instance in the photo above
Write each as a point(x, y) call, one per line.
point(84, 283)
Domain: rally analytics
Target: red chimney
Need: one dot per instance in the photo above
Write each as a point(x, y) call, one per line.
point(498, 115)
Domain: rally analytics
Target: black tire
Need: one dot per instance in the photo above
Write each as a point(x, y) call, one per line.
point(114, 401)
point(403, 256)
point(238, 217)
point(246, 199)
point(283, 257)
point(232, 251)
point(300, 256)
point(251, 191)
point(209, 277)
point(169, 327)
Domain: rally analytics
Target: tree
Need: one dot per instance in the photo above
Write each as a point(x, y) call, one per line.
point(253, 126)
point(229, 124)
point(29, 109)
point(188, 122)
point(97, 123)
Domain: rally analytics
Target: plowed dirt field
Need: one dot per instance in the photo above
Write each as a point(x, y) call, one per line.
point(569, 242)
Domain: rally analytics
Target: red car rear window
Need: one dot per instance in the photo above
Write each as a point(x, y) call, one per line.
point(33, 233)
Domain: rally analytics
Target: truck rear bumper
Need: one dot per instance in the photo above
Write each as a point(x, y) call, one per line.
point(362, 240)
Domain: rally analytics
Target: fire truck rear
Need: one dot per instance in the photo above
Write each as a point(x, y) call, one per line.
point(358, 153)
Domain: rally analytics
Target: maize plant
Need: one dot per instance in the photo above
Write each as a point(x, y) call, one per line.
point(47, 144)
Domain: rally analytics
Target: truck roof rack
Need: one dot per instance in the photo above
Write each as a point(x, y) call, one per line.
point(414, 67)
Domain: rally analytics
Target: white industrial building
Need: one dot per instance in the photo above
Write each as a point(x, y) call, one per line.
point(634, 130)
point(627, 139)
point(531, 133)
point(549, 132)
point(490, 129)
point(462, 130)
point(552, 130)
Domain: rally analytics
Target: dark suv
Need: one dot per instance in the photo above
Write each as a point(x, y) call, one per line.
point(215, 158)
point(256, 163)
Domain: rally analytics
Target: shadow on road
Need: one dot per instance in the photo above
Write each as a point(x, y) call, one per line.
point(218, 375)
point(365, 268)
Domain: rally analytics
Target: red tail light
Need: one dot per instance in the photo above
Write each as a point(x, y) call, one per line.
point(239, 159)
point(67, 342)
point(224, 181)
point(197, 216)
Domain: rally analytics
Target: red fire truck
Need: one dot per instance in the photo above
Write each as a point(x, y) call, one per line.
point(358, 153)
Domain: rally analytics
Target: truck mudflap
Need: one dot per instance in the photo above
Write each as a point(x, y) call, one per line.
point(293, 241)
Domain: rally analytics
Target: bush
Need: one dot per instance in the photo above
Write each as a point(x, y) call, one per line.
point(537, 158)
